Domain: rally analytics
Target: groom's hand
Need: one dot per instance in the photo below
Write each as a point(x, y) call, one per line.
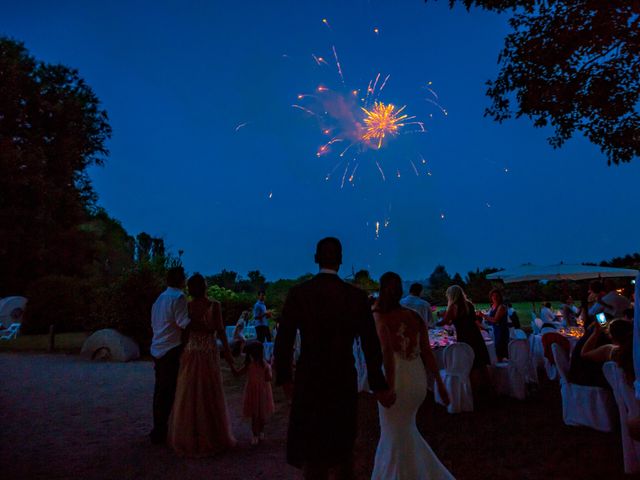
point(386, 397)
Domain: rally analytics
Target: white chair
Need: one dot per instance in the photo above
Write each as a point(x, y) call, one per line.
point(458, 360)
point(547, 330)
point(11, 332)
point(583, 405)
point(552, 371)
point(12, 310)
point(511, 378)
point(534, 324)
point(628, 407)
point(519, 334)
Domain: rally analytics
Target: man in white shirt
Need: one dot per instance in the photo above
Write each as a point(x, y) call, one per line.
point(418, 305)
point(169, 317)
point(547, 315)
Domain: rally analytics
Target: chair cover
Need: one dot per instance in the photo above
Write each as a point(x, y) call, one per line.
point(458, 360)
point(583, 405)
point(519, 334)
point(548, 339)
point(511, 378)
point(547, 330)
point(12, 310)
point(628, 407)
point(536, 324)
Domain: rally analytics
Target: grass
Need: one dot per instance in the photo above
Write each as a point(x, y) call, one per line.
point(66, 342)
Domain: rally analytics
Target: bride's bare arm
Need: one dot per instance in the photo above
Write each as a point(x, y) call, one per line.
point(388, 360)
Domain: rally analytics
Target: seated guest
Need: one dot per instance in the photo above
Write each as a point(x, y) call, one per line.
point(549, 318)
point(569, 313)
point(595, 292)
point(584, 371)
point(620, 332)
point(514, 320)
point(418, 305)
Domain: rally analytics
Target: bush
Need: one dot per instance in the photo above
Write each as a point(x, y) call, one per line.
point(233, 303)
point(57, 300)
point(126, 304)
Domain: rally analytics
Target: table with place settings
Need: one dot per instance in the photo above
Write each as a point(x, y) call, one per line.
point(440, 338)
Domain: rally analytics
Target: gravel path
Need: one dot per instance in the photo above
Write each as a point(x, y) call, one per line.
point(66, 417)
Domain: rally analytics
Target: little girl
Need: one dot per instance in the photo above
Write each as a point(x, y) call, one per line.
point(258, 397)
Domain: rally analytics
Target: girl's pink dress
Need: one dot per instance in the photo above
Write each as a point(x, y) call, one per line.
point(258, 397)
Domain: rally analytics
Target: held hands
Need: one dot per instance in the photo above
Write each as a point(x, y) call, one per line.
point(386, 397)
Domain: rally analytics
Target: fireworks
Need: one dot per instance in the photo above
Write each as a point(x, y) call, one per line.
point(382, 120)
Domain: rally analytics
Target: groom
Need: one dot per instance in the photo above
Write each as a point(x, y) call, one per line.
point(330, 314)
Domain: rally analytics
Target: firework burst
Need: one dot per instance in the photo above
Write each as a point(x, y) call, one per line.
point(383, 120)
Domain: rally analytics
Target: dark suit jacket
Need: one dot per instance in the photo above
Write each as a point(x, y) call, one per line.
point(330, 314)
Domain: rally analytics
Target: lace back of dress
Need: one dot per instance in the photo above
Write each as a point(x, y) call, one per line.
point(407, 342)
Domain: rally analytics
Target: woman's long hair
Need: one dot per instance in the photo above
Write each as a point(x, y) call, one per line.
point(457, 297)
point(390, 292)
point(197, 286)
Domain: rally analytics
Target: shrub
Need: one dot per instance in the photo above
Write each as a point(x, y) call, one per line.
point(57, 300)
point(126, 304)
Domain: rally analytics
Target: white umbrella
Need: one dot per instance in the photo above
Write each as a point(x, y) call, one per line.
point(561, 271)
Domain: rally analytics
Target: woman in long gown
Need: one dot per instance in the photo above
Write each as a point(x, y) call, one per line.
point(402, 453)
point(499, 321)
point(199, 425)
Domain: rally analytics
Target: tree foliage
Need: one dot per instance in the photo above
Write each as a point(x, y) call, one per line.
point(573, 65)
point(51, 130)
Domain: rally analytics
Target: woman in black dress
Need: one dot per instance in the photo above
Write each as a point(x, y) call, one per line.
point(461, 313)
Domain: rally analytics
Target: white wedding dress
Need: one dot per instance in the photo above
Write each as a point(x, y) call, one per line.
point(402, 453)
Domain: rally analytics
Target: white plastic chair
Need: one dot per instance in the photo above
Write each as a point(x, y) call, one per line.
point(583, 405)
point(250, 333)
point(552, 371)
point(12, 310)
point(547, 330)
point(519, 334)
point(511, 378)
point(11, 332)
point(534, 324)
point(458, 360)
point(628, 407)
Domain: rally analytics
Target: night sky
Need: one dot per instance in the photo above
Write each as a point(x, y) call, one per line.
point(178, 80)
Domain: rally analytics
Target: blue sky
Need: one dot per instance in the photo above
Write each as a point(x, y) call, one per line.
point(177, 78)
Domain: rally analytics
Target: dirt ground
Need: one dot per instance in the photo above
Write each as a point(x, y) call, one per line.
point(65, 417)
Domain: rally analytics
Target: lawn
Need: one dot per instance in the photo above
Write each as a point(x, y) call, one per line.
point(66, 342)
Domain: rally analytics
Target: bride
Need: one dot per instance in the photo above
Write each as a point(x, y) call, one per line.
point(402, 453)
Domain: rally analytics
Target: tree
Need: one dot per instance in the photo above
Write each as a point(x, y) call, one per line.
point(257, 280)
point(439, 281)
point(51, 130)
point(458, 280)
point(363, 280)
point(478, 287)
point(573, 65)
point(225, 279)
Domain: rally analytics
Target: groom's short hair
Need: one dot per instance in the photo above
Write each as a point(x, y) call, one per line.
point(175, 277)
point(329, 252)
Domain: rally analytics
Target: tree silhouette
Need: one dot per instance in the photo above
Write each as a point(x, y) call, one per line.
point(51, 130)
point(573, 65)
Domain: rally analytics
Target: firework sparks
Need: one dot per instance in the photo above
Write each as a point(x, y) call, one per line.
point(376, 30)
point(325, 21)
point(381, 171)
point(319, 60)
point(377, 229)
point(242, 125)
point(306, 110)
point(270, 195)
point(335, 55)
point(382, 120)
point(414, 168)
